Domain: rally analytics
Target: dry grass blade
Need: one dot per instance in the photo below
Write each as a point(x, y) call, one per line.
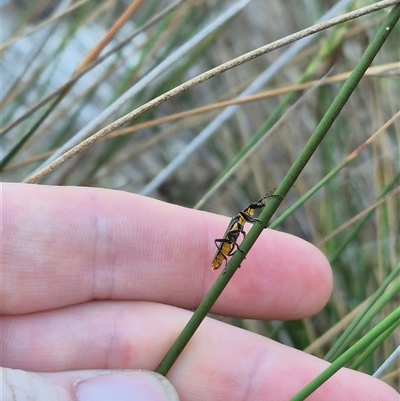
point(199, 79)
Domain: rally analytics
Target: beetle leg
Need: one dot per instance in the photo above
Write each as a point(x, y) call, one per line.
point(246, 217)
point(222, 240)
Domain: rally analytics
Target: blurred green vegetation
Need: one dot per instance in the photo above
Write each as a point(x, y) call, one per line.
point(353, 216)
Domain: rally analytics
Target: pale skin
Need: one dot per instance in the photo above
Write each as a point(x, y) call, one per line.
point(98, 279)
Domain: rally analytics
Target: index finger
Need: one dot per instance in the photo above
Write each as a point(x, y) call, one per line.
point(68, 245)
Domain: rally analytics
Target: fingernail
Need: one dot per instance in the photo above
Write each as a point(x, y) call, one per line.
point(124, 386)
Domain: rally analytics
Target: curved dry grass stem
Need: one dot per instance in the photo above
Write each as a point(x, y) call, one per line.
point(201, 78)
point(373, 71)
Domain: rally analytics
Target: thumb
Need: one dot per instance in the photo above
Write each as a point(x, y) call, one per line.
point(86, 385)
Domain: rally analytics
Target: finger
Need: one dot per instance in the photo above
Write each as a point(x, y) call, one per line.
point(86, 386)
point(220, 362)
point(66, 245)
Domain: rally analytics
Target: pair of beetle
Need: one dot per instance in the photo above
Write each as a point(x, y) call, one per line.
point(226, 245)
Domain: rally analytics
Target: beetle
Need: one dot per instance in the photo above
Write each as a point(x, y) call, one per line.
point(226, 245)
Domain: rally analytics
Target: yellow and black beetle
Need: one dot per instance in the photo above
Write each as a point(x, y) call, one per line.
point(226, 245)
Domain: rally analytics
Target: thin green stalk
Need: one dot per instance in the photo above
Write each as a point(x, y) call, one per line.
point(307, 196)
point(319, 185)
point(194, 322)
point(333, 258)
point(327, 48)
point(282, 190)
point(375, 304)
point(359, 346)
point(377, 342)
point(30, 132)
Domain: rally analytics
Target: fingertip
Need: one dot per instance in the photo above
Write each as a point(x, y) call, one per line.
point(88, 385)
point(282, 277)
point(314, 274)
point(128, 385)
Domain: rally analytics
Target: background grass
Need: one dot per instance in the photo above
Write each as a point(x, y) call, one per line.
point(352, 217)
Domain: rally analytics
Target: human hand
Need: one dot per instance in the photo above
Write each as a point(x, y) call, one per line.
point(97, 281)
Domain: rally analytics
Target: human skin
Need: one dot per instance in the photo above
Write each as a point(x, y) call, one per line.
point(99, 279)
